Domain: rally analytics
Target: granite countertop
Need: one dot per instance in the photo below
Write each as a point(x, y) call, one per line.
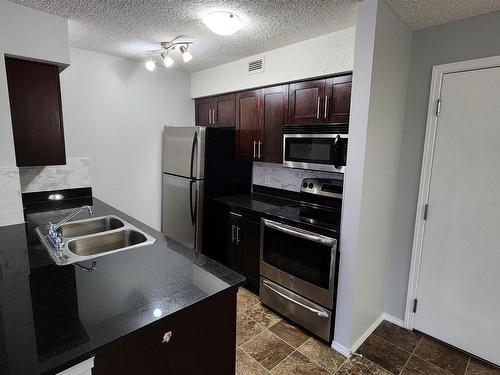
point(260, 203)
point(52, 317)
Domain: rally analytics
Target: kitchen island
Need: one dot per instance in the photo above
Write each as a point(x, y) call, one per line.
point(155, 309)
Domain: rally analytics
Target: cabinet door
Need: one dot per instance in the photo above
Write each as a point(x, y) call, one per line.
point(224, 111)
point(35, 108)
point(203, 111)
point(233, 250)
point(305, 100)
point(188, 347)
point(274, 116)
point(248, 119)
point(338, 99)
point(250, 251)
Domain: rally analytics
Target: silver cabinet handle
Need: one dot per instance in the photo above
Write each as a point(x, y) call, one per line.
point(258, 150)
point(167, 336)
point(209, 116)
point(238, 235)
point(317, 109)
point(317, 312)
point(326, 105)
point(213, 116)
point(254, 144)
point(301, 233)
point(232, 233)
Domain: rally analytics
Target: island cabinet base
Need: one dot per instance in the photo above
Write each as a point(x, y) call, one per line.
point(200, 339)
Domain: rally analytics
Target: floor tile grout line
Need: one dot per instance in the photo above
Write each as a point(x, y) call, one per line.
point(397, 346)
point(411, 354)
point(423, 359)
point(312, 360)
point(253, 359)
point(284, 359)
point(468, 364)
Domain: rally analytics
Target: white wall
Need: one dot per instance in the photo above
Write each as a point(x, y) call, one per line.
point(114, 111)
point(467, 39)
point(326, 54)
point(381, 65)
point(28, 33)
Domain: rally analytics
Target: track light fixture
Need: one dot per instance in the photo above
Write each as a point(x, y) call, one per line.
point(163, 52)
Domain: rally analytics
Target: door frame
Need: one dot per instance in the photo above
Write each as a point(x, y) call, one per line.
point(438, 71)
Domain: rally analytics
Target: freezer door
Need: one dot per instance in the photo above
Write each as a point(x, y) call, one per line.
point(182, 210)
point(184, 151)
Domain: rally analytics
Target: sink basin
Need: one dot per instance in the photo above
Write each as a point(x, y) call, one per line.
point(103, 243)
point(90, 226)
point(87, 239)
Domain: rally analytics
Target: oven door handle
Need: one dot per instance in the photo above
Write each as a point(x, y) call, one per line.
point(301, 233)
point(317, 312)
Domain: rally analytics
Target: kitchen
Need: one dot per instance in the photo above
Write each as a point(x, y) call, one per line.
point(211, 151)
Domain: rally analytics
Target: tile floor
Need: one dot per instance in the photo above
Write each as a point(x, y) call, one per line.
point(268, 344)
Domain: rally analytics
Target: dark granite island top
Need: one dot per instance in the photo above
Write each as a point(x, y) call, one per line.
point(52, 317)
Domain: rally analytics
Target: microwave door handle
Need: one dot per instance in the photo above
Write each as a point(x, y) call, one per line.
point(335, 151)
point(297, 232)
point(317, 312)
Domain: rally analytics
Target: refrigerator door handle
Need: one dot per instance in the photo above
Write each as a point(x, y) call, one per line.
point(193, 147)
point(191, 211)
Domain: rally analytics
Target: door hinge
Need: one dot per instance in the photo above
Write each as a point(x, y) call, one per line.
point(438, 107)
point(415, 301)
point(426, 211)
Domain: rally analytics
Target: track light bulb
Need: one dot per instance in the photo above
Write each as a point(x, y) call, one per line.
point(186, 55)
point(167, 60)
point(150, 65)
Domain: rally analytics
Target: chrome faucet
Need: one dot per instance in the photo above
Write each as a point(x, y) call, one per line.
point(55, 236)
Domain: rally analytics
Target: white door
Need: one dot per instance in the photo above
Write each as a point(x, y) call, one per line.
point(459, 283)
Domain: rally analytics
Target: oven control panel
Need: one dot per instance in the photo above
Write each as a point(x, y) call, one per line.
point(323, 186)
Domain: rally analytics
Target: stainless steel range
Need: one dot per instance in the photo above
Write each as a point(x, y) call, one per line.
point(299, 257)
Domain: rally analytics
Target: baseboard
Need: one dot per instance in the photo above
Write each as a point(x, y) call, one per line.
point(341, 349)
point(394, 320)
point(367, 333)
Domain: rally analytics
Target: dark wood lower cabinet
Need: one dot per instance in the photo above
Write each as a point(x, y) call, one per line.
point(202, 341)
point(243, 246)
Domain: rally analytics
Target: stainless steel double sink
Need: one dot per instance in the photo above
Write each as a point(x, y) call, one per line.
point(91, 238)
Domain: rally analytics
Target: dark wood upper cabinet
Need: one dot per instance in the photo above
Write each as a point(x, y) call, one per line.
point(338, 102)
point(36, 112)
point(224, 111)
point(320, 101)
point(217, 111)
point(248, 124)
point(274, 116)
point(305, 99)
point(203, 111)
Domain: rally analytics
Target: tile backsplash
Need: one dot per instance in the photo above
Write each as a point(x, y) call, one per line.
point(277, 176)
point(11, 207)
point(75, 174)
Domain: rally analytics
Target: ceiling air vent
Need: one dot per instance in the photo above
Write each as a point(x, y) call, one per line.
point(256, 66)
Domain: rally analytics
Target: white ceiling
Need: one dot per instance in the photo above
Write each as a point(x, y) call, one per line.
point(419, 14)
point(131, 27)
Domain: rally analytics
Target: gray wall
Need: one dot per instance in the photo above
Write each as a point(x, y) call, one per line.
point(462, 40)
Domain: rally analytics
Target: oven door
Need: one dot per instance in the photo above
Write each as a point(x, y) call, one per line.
point(299, 260)
point(324, 152)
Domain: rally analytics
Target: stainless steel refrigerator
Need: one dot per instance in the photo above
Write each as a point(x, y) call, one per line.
point(198, 166)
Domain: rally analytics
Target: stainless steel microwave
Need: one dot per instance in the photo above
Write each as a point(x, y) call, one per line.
point(318, 148)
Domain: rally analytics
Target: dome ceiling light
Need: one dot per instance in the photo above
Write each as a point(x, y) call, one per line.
point(165, 49)
point(223, 22)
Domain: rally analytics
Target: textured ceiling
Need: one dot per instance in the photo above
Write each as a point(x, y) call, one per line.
point(131, 27)
point(418, 14)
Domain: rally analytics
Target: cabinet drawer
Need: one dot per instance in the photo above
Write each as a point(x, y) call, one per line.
point(308, 314)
